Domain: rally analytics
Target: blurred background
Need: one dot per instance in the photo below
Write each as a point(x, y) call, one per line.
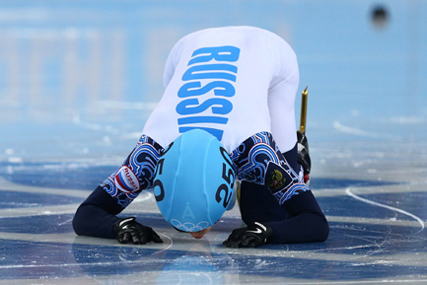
point(79, 78)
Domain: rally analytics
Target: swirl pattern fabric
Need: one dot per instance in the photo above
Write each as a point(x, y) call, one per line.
point(142, 162)
point(258, 160)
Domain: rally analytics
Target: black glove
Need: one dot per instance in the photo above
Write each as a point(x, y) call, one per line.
point(252, 236)
point(303, 153)
point(129, 230)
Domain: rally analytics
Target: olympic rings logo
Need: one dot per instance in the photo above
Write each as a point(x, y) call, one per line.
point(189, 227)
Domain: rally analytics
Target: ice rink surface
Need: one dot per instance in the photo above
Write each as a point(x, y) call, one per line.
point(79, 78)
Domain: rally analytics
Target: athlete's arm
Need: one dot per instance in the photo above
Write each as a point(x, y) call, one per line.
point(96, 216)
point(307, 222)
point(298, 219)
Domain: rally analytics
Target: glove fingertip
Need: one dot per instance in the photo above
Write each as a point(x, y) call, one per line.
point(157, 239)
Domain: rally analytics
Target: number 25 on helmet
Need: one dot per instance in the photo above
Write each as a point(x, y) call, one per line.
point(194, 181)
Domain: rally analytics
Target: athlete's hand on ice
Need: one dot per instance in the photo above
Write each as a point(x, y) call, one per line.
point(303, 155)
point(128, 230)
point(252, 236)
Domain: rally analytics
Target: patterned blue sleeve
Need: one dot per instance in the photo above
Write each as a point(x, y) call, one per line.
point(135, 174)
point(258, 160)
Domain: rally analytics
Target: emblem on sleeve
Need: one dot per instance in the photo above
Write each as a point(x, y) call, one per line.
point(276, 178)
point(126, 180)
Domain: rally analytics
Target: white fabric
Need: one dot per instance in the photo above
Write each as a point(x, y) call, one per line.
point(265, 86)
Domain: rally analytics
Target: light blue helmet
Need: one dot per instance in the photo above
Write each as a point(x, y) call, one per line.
point(194, 181)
